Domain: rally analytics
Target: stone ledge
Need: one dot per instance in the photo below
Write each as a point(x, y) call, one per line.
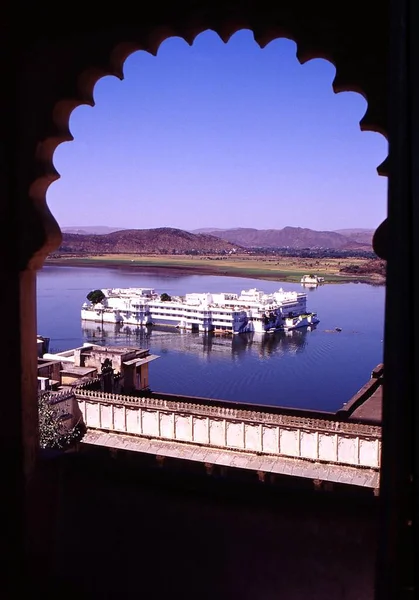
point(350, 475)
point(215, 411)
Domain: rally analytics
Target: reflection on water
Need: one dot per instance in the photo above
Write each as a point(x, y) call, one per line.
point(202, 344)
point(310, 287)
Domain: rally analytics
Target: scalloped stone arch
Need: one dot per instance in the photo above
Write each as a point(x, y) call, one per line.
point(90, 63)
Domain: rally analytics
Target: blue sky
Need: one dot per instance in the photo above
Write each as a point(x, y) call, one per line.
point(220, 135)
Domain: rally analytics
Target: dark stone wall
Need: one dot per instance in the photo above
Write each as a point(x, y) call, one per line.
point(131, 526)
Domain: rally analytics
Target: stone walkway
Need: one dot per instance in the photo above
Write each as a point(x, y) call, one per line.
point(371, 409)
point(279, 465)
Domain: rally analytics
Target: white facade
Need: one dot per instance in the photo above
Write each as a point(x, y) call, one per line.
point(312, 280)
point(252, 310)
point(318, 442)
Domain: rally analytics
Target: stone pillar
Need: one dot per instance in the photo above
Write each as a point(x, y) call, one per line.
point(19, 435)
point(400, 390)
point(28, 233)
point(21, 495)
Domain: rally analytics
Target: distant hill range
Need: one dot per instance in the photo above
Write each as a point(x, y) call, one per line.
point(92, 230)
point(295, 237)
point(131, 241)
point(363, 236)
point(102, 239)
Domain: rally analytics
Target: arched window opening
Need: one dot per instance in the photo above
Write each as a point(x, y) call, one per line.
point(44, 125)
point(222, 137)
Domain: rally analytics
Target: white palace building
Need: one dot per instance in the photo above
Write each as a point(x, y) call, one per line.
point(252, 310)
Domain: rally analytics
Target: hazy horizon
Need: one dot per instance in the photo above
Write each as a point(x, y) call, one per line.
point(221, 132)
point(209, 228)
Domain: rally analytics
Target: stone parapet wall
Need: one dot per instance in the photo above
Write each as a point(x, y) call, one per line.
point(325, 440)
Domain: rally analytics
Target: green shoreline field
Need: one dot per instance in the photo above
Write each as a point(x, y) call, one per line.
point(288, 269)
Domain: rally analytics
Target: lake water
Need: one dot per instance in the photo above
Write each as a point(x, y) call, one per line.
point(319, 369)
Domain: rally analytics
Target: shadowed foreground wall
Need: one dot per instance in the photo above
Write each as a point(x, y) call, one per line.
point(126, 527)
